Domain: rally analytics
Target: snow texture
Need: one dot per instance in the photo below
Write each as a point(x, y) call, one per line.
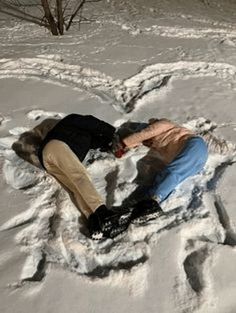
point(159, 47)
point(53, 231)
point(123, 95)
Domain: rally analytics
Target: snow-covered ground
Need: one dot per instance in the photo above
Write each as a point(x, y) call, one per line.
point(139, 59)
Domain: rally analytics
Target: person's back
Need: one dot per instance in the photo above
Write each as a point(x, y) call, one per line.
point(183, 153)
point(164, 136)
point(61, 146)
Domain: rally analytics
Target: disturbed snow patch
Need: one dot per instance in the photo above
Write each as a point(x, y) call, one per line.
point(53, 231)
point(121, 94)
point(38, 114)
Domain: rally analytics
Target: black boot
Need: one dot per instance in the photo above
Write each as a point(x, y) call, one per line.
point(104, 223)
point(94, 227)
point(118, 228)
point(145, 211)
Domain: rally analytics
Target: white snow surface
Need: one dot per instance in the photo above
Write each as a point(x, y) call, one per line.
point(171, 59)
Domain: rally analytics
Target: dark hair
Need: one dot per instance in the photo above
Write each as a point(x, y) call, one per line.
point(26, 147)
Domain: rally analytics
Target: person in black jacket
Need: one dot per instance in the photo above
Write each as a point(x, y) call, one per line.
point(61, 151)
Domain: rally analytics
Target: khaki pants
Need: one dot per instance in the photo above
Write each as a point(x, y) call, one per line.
point(60, 161)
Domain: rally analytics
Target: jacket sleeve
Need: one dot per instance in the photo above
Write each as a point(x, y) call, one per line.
point(149, 132)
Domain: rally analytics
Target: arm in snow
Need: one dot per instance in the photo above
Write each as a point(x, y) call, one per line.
point(152, 130)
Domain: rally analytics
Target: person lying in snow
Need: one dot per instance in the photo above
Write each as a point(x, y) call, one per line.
point(182, 152)
point(61, 147)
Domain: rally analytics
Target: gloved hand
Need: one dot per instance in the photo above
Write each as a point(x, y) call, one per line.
point(118, 147)
point(120, 150)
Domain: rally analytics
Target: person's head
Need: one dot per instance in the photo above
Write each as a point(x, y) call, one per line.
point(153, 120)
point(26, 147)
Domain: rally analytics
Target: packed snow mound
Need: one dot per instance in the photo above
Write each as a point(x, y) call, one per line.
point(54, 232)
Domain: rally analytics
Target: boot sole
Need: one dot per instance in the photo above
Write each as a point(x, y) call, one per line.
point(97, 236)
point(112, 233)
point(121, 220)
point(146, 218)
point(109, 230)
point(118, 230)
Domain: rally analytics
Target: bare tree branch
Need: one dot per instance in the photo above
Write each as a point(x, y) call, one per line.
point(18, 3)
point(55, 15)
point(24, 18)
point(60, 19)
point(14, 9)
point(85, 19)
point(49, 17)
point(65, 6)
point(75, 13)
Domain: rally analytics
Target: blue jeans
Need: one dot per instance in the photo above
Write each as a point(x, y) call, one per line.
point(189, 162)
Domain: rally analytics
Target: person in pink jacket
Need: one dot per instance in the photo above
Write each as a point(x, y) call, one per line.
point(182, 152)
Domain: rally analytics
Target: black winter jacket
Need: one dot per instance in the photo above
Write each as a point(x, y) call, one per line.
point(80, 133)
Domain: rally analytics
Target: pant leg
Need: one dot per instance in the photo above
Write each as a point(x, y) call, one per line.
point(63, 164)
point(188, 163)
point(76, 197)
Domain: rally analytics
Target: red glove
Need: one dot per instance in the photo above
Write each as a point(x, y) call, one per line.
point(119, 153)
point(120, 150)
